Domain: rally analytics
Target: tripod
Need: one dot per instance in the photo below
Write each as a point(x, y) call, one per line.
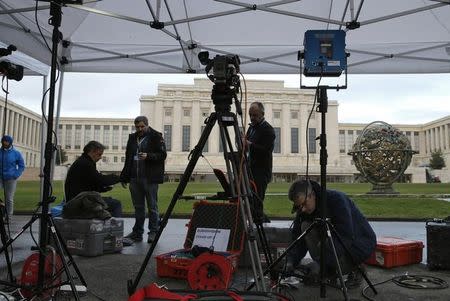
point(4, 239)
point(237, 177)
point(326, 229)
point(46, 221)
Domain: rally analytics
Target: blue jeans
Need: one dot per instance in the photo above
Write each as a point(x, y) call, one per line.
point(114, 206)
point(143, 193)
point(9, 189)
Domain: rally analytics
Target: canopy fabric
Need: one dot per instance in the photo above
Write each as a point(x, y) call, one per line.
point(401, 36)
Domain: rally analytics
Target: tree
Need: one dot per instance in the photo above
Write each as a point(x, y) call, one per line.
point(437, 160)
point(60, 155)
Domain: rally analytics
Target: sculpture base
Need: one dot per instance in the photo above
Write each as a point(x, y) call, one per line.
point(382, 189)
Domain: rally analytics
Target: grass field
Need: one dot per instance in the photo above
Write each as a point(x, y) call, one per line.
point(416, 201)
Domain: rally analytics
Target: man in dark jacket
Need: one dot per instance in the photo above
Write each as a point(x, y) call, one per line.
point(260, 139)
point(350, 224)
point(83, 176)
point(144, 170)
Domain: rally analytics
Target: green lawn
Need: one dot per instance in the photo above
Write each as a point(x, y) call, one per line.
point(415, 204)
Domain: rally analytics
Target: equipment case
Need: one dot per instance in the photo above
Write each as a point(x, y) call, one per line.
point(438, 244)
point(224, 215)
point(392, 252)
point(91, 237)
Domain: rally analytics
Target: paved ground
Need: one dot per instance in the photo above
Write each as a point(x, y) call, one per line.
point(107, 275)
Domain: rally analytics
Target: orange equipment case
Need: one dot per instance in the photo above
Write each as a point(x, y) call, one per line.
point(392, 252)
point(217, 215)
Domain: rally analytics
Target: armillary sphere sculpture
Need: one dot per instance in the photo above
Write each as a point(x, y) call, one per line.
point(381, 154)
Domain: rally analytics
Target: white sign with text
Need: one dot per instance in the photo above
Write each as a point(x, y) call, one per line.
point(207, 237)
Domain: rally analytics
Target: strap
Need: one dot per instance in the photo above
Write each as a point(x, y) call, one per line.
point(154, 291)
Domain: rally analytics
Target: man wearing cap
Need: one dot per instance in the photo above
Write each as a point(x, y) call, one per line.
point(355, 233)
point(12, 167)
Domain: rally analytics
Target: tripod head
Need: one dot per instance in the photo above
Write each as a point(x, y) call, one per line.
point(225, 69)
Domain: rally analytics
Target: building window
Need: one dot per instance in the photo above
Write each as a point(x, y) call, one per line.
point(122, 159)
point(276, 114)
point(277, 142)
point(294, 140)
point(124, 136)
point(186, 137)
point(342, 141)
point(168, 136)
point(312, 140)
point(87, 134)
point(294, 115)
point(106, 136)
point(59, 136)
point(115, 159)
point(105, 159)
point(115, 137)
point(205, 147)
point(187, 113)
point(168, 112)
point(416, 141)
point(408, 135)
point(350, 140)
point(68, 136)
point(97, 133)
point(77, 136)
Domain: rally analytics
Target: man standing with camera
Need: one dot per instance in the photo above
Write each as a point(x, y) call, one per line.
point(259, 141)
point(144, 170)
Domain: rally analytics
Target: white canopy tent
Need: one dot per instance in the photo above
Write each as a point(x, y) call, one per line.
point(402, 36)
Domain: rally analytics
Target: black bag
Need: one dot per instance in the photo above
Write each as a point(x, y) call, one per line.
point(86, 205)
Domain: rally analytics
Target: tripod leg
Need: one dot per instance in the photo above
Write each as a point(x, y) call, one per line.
point(243, 190)
point(195, 155)
point(347, 251)
point(336, 258)
point(284, 254)
point(71, 261)
point(4, 238)
point(59, 250)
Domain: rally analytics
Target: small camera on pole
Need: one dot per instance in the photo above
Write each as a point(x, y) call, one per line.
point(10, 70)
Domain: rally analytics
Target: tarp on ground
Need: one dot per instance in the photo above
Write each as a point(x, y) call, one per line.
point(401, 36)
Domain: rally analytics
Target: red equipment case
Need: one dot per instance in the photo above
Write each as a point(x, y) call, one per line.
point(392, 252)
point(205, 214)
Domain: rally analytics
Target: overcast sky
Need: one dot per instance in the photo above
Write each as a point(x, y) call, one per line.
point(396, 99)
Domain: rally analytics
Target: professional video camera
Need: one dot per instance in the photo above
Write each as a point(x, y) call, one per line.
point(225, 69)
point(12, 71)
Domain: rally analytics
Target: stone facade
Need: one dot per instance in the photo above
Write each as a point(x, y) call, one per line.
point(179, 112)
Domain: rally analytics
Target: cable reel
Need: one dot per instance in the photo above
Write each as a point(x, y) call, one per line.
point(210, 271)
point(52, 274)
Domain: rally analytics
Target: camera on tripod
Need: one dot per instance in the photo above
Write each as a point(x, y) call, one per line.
point(225, 69)
point(12, 71)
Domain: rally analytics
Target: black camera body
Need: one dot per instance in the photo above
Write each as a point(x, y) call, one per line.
point(224, 75)
point(12, 71)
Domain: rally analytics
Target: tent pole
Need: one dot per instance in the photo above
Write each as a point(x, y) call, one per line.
point(43, 138)
point(56, 127)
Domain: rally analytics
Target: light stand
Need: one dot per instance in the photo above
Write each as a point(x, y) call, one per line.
point(46, 221)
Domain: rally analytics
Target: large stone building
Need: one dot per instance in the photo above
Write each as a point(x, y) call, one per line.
point(179, 112)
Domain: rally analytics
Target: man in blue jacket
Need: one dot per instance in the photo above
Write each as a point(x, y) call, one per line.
point(12, 167)
point(353, 229)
